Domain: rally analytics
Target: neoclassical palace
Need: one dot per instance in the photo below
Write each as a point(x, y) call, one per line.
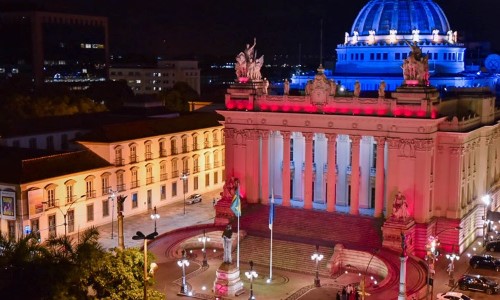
point(56, 193)
point(371, 155)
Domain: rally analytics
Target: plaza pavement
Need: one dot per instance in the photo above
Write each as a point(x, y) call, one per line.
point(285, 285)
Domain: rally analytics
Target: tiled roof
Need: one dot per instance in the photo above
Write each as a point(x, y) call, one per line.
point(26, 165)
point(151, 127)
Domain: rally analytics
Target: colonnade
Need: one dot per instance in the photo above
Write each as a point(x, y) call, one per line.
point(309, 169)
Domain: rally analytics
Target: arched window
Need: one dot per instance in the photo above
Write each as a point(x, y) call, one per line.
point(50, 195)
point(134, 172)
point(149, 174)
point(133, 153)
point(120, 180)
point(195, 142)
point(90, 188)
point(173, 166)
point(147, 150)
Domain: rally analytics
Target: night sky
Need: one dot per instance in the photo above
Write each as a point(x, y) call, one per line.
point(222, 27)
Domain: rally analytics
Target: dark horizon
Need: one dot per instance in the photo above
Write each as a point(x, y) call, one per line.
point(222, 28)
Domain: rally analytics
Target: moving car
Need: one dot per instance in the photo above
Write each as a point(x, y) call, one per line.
point(493, 246)
point(478, 283)
point(194, 198)
point(485, 262)
point(453, 296)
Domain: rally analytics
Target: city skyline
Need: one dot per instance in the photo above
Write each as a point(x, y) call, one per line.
point(198, 28)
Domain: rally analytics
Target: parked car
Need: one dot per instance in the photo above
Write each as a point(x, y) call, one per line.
point(493, 246)
point(453, 296)
point(485, 262)
point(194, 198)
point(478, 283)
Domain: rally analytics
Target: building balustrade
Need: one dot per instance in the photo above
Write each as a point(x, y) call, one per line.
point(149, 155)
point(208, 166)
point(292, 165)
point(304, 167)
point(106, 190)
point(173, 150)
point(70, 199)
point(163, 152)
point(134, 184)
point(195, 146)
point(163, 176)
point(52, 203)
point(90, 194)
point(121, 187)
point(185, 149)
point(119, 162)
point(175, 174)
point(149, 180)
point(207, 144)
point(196, 169)
point(215, 143)
point(325, 168)
point(133, 159)
point(185, 171)
point(216, 164)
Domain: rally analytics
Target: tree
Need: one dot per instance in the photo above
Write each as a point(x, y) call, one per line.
point(177, 98)
point(63, 268)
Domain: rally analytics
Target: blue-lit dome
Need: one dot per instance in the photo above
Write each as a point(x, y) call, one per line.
point(401, 15)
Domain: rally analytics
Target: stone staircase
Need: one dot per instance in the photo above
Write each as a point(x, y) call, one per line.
point(289, 256)
point(314, 227)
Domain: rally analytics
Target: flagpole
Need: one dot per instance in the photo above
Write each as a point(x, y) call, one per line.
point(271, 225)
point(238, 248)
point(271, 257)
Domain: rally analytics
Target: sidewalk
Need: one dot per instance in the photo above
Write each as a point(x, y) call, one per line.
point(171, 217)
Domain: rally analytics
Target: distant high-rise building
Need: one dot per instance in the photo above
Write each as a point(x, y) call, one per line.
point(45, 47)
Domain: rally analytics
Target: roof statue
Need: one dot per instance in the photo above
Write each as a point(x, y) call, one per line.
point(416, 66)
point(248, 65)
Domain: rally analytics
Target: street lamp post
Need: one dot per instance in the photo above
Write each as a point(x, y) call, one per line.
point(486, 200)
point(140, 236)
point(204, 239)
point(431, 246)
point(251, 275)
point(317, 257)
point(184, 177)
point(183, 263)
point(155, 216)
point(451, 267)
point(65, 214)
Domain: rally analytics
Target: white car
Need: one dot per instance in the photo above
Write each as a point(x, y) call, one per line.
point(453, 296)
point(194, 198)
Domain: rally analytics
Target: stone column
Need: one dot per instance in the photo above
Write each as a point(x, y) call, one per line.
point(264, 176)
point(229, 150)
point(392, 172)
point(286, 168)
point(308, 172)
point(240, 160)
point(332, 172)
point(355, 139)
point(252, 166)
point(379, 177)
point(402, 278)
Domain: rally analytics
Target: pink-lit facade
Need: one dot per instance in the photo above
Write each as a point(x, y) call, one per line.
point(353, 154)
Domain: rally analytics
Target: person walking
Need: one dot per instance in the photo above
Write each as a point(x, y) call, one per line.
point(338, 296)
point(344, 293)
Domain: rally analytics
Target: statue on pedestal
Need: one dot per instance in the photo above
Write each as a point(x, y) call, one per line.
point(248, 65)
point(357, 89)
point(286, 87)
point(400, 208)
point(381, 89)
point(416, 66)
point(227, 242)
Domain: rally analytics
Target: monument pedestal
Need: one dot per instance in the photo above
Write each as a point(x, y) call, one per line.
point(227, 281)
point(392, 230)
